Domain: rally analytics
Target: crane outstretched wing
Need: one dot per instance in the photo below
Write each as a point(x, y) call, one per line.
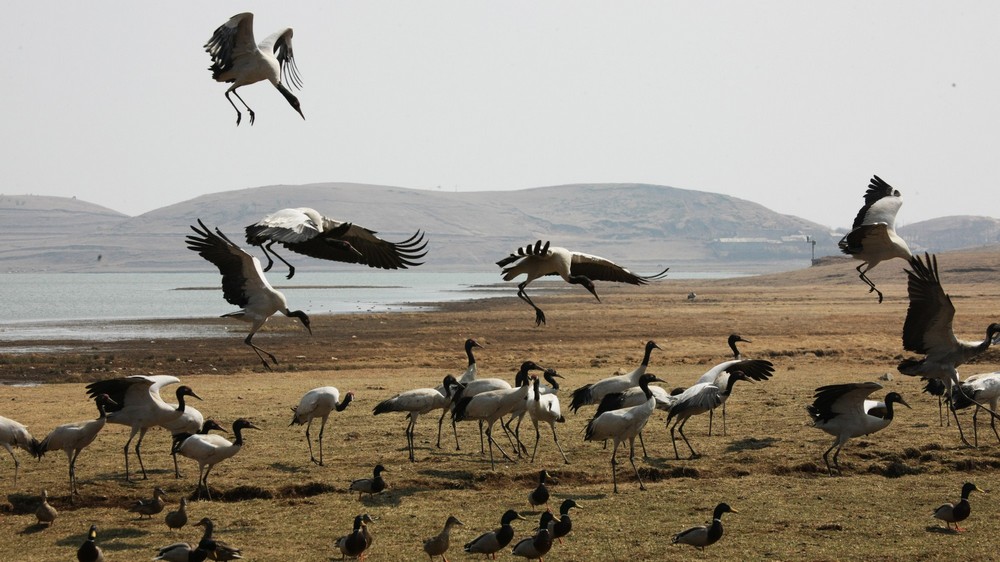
point(241, 272)
point(928, 324)
point(230, 41)
point(368, 249)
point(597, 268)
point(836, 399)
point(281, 44)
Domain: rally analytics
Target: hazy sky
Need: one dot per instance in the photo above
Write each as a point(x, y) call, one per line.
point(792, 104)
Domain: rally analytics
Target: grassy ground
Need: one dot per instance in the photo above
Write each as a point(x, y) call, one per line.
point(818, 327)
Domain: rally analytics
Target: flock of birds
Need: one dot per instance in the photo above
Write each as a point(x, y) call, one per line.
point(624, 403)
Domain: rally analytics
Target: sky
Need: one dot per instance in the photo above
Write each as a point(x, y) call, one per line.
point(791, 104)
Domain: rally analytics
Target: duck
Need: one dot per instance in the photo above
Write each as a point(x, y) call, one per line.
point(89, 551)
point(564, 524)
point(219, 550)
point(540, 495)
point(370, 486)
point(151, 507)
point(358, 541)
point(957, 512)
point(489, 543)
point(539, 544)
point(438, 545)
point(705, 535)
point(177, 519)
point(45, 513)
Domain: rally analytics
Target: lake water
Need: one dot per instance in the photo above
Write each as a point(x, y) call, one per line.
point(110, 306)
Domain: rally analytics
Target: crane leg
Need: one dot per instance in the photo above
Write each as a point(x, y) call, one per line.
point(975, 428)
point(269, 251)
point(409, 438)
point(322, 427)
point(205, 481)
point(631, 459)
point(440, 423)
point(258, 351)
point(17, 465)
point(947, 390)
point(482, 448)
point(556, 439)
point(826, 457)
point(711, 418)
point(72, 476)
point(614, 466)
point(309, 440)
point(993, 424)
point(643, 443)
point(680, 429)
point(537, 436)
point(539, 315)
point(128, 475)
point(868, 281)
point(177, 470)
point(138, 453)
point(835, 455)
point(673, 440)
point(239, 115)
point(723, 419)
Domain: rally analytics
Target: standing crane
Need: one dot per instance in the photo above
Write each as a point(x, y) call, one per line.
point(319, 403)
point(843, 410)
point(545, 408)
point(73, 438)
point(981, 388)
point(416, 402)
point(928, 330)
point(137, 404)
point(490, 407)
point(238, 60)
point(698, 399)
point(14, 434)
point(754, 369)
point(593, 393)
point(209, 450)
point(624, 424)
point(575, 268)
point(243, 284)
point(306, 231)
point(470, 374)
point(873, 237)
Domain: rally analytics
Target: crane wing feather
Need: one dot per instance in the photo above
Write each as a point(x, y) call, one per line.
point(928, 324)
point(281, 44)
point(836, 399)
point(230, 41)
point(368, 249)
point(241, 272)
point(597, 268)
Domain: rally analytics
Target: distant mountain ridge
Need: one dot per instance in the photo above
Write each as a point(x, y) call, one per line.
point(638, 225)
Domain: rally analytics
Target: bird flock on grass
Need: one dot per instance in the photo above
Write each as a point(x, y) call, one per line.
point(625, 403)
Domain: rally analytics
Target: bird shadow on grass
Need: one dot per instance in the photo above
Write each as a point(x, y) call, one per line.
point(288, 468)
point(34, 528)
point(941, 530)
point(110, 539)
point(751, 444)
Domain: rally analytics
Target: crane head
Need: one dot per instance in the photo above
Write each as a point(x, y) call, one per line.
point(303, 317)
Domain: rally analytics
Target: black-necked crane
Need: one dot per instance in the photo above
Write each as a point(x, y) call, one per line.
point(239, 60)
point(844, 411)
point(624, 424)
point(306, 231)
point(754, 369)
point(955, 513)
point(139, 406)
point(416, 402)
point(489, 407)
point(705, 535)
point(89, 551)
point(210, 450)
point(479, 386)
point(521, 409)
point(490, 542)
point(873, 237)
point(470, 374)
point(370, 486)
point(14, 434)
point(73, 438)
point(698, 399)
point(634, 397)
point(243, 284)
point(319, 403)
point(575, 268)
point(982, 388)
point(594, 393)
point(191, 421)
point(936, 387)
point(178, 438)
point(438, 544)
point(545, 408)
point(928, 330)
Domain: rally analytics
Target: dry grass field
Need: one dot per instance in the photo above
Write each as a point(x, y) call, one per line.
point(818, 326)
